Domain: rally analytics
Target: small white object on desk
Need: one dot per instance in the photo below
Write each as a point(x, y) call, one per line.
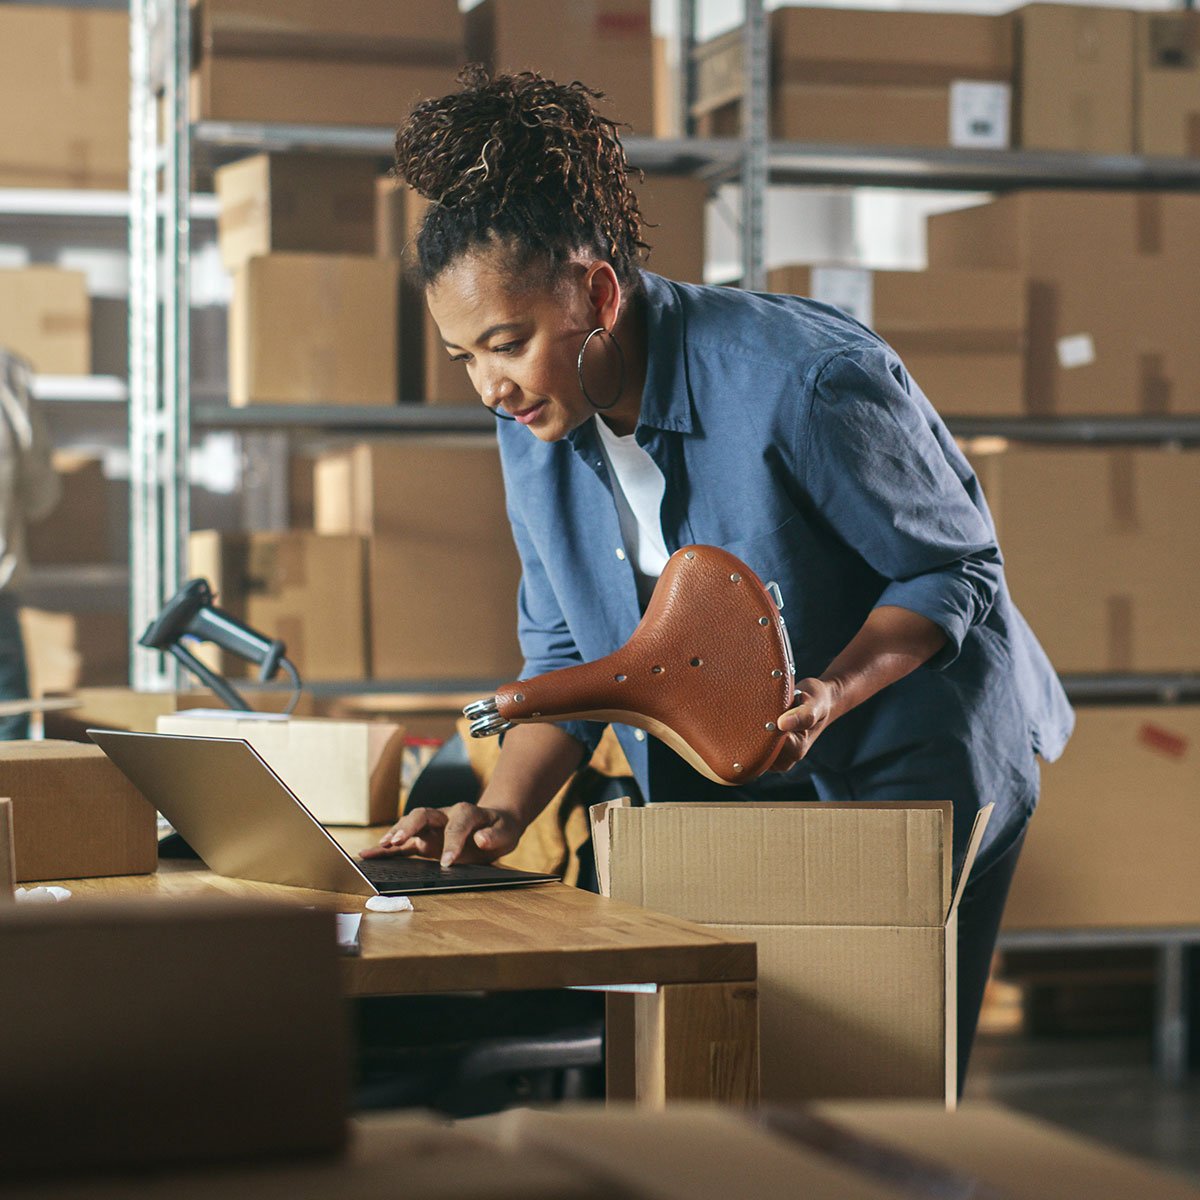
point(42, 895)
point(389, 904)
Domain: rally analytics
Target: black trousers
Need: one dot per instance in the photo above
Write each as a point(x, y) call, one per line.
point(979, 914)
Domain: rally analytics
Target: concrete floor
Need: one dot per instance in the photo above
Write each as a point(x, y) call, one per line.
point(1104, 1089)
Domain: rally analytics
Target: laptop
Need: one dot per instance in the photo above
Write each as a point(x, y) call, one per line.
point(245, 822)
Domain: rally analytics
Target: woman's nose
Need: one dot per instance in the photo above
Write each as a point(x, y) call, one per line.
point(496, 389)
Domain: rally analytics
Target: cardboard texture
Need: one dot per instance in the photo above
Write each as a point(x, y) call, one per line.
point(998, 1151)
point(960, 333)
point(854, 915)
point(65, 650)
point(44, 317)
point(64, 98)
point(301, 587)
point(439, 543)
point(77, 530)
point(858, 76)
point(606, 44)
point(1075, 78)
point(314, 329)
point(307, 62)
point(1086, 864)
point(110, 1005)
point(1113, 279)
point(125, 708)
point(292, 202)
point(1167, 83)
point(343, 772)
point(75, 816)
point(8, 861)
point(1107, 575)
point(673, 216)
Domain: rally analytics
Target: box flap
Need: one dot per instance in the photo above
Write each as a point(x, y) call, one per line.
point(812, 864)
point(973, 843)
point(598, 819)
point(8, 861)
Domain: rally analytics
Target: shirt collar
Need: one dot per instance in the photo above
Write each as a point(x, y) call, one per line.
point(666, 400)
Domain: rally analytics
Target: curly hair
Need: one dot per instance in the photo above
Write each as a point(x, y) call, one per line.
point(524, 162)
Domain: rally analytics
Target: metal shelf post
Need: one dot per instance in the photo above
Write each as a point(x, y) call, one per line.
point(755, 141)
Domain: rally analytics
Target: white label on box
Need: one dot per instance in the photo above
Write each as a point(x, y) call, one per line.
point(1078, 350)
point(979, 114)
point(849, 288)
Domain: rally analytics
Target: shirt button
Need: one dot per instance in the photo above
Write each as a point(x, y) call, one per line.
point(639, 735)
point(620, 554)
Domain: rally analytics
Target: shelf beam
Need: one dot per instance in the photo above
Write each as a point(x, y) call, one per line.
point(1092, 431)
point(347, 419)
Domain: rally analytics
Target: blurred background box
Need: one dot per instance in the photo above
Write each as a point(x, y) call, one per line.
point(606, 43)
point(314, 329)
point(45, 317)
point(309, 202)
point(67, 650)
point(1097, 555)
point(75, 816)
point(442, 568)
point(1075, 78)
point(960, 333)
point(78, 530)
point(301, 587)
point(64, 97)
point(673, 209)
point(1113, 843)
point(1168, 83)
point(309, 62)
point(1114, 281)
point(871, 77)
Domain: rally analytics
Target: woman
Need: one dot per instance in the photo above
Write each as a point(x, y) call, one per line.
point(637, 415)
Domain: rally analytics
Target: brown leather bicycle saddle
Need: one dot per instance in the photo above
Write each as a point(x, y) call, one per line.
point(708, 671)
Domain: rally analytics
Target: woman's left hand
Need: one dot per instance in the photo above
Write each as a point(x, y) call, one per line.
point(815, 707)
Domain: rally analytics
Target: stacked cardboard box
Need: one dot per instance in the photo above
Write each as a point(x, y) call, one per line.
point(314, 313)
point(881, 78)
point(64, 97)
point(1114, 280)
point(673, 211)
point(68, 650)
point(960, 333)
point(442, 568)
point(45, 317)
point(607, 44)
point(79, 528)
point(309, 62)
point(1167, 83)
point(300, 587)
point(1096, 553)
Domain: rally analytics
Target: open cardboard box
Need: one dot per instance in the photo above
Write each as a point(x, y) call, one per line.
point(855, 914)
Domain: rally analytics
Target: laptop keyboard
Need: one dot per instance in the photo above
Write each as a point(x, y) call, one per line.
point(422, 874)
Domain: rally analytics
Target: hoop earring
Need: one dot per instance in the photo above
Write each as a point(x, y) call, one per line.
point(620, 377)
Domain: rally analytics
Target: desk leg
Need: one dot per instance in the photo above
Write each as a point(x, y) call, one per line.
point(690, 1041)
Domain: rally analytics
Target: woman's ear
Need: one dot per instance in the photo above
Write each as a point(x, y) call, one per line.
point(604, 294)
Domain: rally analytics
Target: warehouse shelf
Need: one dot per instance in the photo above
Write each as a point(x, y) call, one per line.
point(80, 389)
point(1133, 687)
point(58, 203)
point(346, 419)
point(91, 587)
point(1098, 431)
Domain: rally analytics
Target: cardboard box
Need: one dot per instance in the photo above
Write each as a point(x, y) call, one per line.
point(442, 569)
point(1086, 864)
point(297, 202)
point(673, 212)
point(125, 708)
point(960, 333)
point(1095, 553)
point(64, 98)
point(68, 650)
point(1167, 83)
point(314, 329)
point(344, 772)
point(77, 529)
point(313, 63)
point(298, 586)
point(606, 44)
point(1075, 78)
point(856, 967)
point(109, 1006)
point(44, 317)
point(74, 814)
point(874, 78)
point(1088, 355)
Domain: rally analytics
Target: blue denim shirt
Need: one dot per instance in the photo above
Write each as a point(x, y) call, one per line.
point(793, 437)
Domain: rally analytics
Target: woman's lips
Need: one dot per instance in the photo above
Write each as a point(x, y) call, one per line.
point(528, 415)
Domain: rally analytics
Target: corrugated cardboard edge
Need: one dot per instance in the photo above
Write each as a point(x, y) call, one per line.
point(973, 843)
point(8, 860)
point(602, 840)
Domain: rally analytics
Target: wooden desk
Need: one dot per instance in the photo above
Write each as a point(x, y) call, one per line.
point(694, 1037)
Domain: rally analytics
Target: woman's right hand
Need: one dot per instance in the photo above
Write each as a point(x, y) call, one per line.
point(468, 833)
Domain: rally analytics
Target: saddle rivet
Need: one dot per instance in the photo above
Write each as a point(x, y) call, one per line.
point(696, 662)
point(619, 678)
point(737, 766)
point(656, 670)
point(769, 724)
point(736, 577)
point(689, 554)
point(764, 620)
point(520, 697)
point(535, 714)
point(776, 674)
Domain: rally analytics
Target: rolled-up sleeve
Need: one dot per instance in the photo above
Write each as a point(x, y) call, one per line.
point(545, 639)
point(879, 476)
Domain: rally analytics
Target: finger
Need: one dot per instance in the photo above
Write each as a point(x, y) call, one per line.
point(462, 824)
point(798, 719)
point(493, 838)
point(413, 823)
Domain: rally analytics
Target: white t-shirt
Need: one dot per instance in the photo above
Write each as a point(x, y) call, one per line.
point(638, 487)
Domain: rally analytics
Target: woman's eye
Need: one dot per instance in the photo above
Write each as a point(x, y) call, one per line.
point(459, 357)
point(507, 348)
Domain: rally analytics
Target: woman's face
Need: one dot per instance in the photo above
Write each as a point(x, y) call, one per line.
point(520, 346)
